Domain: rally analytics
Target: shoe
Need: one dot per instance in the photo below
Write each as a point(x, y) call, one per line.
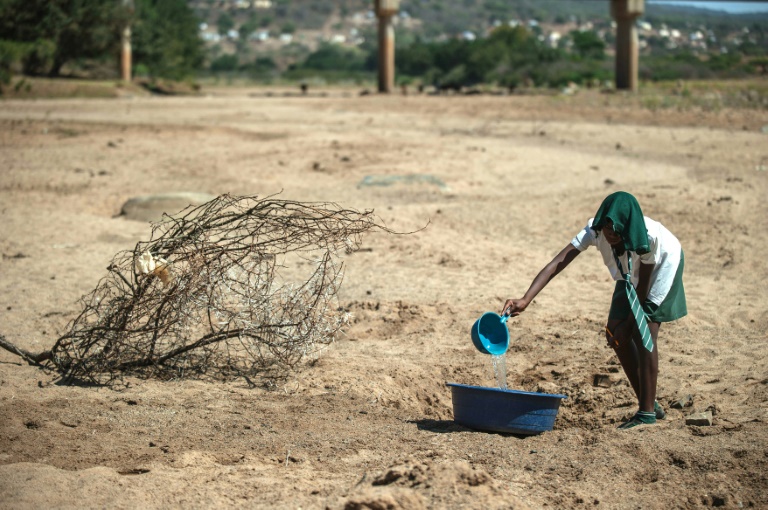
point(660, 414)
point(640, 418)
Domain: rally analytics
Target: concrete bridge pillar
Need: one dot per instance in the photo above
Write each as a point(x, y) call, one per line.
point(625, 12)
point(385, 9)
point(126, 53)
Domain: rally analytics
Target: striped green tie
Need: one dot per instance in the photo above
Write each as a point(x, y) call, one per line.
point(634, 303)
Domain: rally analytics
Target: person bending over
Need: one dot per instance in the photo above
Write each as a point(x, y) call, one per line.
point(646, 261)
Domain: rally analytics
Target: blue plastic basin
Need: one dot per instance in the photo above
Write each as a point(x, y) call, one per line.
point(490, 334)
point(497, 410)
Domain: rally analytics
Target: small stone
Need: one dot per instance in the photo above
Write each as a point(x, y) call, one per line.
point(602, 381)
point(700, 419)
point(686, 401)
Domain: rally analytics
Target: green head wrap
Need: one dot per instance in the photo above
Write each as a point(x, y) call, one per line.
point(627, 217)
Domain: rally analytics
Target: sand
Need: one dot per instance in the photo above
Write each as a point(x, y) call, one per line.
point(501, 184)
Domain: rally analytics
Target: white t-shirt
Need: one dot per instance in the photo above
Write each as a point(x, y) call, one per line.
point(665, 252)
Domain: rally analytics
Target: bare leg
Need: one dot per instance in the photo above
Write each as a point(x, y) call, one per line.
point(640, 366)
point(626, 351)
point(648, 368)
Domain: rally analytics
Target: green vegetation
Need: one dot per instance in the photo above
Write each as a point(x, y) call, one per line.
point(10, 53)
point(508, 57)
point(82, 38)
point(165, 41)
point(333, 57)
point(47, 35)
point(513, 57)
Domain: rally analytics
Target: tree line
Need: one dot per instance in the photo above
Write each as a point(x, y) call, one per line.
point(41, 37)
point(511, 57)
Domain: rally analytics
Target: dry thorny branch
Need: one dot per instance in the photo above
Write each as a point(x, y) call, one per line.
point(208, 294)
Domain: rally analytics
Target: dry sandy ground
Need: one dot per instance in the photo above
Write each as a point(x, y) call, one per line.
point(370, 425)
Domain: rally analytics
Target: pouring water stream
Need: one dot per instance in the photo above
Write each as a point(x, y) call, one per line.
point(500, 370)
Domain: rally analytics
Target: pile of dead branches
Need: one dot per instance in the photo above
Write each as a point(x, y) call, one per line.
point(239, 286)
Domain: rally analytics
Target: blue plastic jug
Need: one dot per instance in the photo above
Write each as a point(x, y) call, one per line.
point(490, 334)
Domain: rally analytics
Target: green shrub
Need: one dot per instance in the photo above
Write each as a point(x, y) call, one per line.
point(15, 57)
point(329, 76)
point(333, 57)
point(224, 63)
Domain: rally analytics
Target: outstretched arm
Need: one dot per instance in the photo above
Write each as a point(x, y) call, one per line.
point(560, 262)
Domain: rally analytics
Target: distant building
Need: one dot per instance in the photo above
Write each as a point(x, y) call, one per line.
point(259, 35)
point(553, 39)
point(644, 26)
